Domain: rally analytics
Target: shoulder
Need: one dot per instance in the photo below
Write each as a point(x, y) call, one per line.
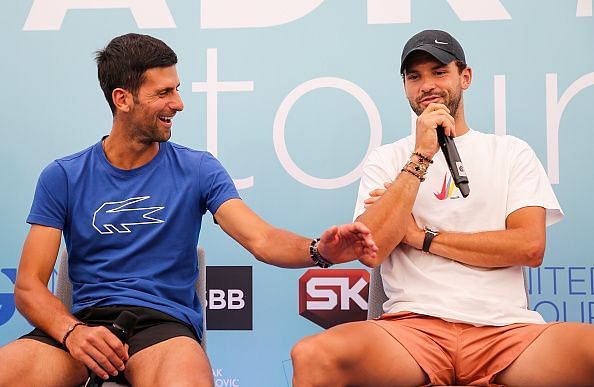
point(193, 158)
point(396, 150)
point(507, 146)
point(61, 166)
point(76, 157)
point(506, 140)
point(403, 145)
point(187, 152)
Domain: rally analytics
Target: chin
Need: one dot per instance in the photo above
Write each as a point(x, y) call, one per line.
point(162, 136)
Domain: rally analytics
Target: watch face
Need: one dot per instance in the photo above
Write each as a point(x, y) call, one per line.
point(431, 230)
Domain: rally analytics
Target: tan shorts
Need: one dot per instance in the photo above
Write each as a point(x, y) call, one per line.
point(456, 353)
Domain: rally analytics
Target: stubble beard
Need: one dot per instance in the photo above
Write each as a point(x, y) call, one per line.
point(452, 104)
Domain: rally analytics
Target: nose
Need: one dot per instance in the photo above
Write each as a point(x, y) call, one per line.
point(177, 104)
point(427, 85)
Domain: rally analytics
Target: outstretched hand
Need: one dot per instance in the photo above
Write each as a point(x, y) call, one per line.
point(346, 243)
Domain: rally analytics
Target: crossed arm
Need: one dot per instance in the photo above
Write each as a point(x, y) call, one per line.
point(521, 243)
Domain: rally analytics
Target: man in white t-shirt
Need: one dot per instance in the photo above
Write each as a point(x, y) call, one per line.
point(451, 265)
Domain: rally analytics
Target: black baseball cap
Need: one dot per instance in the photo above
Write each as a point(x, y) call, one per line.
point(439, 44)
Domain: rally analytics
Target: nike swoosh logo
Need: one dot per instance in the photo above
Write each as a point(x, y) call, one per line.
point(438, 42)
point(443, 193)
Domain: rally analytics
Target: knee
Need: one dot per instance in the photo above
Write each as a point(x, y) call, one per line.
point(304, 352)
point(315, 360)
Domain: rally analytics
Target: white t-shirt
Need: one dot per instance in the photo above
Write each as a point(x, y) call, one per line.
point(504, 175)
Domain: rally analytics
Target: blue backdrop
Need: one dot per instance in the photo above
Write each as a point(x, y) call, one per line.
point(290, 95)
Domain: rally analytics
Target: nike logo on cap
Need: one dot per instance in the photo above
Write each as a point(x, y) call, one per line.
point(438, 42)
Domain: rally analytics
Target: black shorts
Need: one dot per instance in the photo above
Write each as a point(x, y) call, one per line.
point(152, 327)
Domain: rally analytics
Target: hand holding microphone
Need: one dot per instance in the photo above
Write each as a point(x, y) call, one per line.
point(121, 328)
point(438, 114)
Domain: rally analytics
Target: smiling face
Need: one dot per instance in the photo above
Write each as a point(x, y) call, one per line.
point(154, 105)
point(426, 80)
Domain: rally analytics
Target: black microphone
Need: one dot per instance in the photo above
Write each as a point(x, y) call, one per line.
point(121, 327)
point(448, 147)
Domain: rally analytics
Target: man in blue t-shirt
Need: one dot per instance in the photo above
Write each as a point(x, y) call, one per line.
point(130, 209)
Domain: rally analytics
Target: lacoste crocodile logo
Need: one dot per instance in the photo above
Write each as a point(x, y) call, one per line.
point(119, 216)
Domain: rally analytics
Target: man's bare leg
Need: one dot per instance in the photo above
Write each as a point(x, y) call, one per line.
point(179, 361)
point(563, 355)
point(354, 354)
point(31, 363)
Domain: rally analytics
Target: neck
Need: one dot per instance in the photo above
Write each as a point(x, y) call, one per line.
point(461, 126)
point(125, 152)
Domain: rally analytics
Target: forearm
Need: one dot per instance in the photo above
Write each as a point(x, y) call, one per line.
point(42, 309)
point(32, 297)
point(486, 249)
point(283, 248)
point(388, 217)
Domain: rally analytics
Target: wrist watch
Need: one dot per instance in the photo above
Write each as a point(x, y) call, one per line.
point(430, 233)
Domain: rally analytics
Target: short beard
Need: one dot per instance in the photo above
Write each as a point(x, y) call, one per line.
point(452, 105)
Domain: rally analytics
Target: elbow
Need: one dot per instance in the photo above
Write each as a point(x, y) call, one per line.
point(374, 262)
point(20, 296)
point(534, 253)
point(259, 252)
point(261, 249)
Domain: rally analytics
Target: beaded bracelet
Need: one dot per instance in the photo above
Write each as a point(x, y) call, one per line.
point(69, 331)
point(423, 158)
point(316, 256)
point(417, 169)
point(418, 176)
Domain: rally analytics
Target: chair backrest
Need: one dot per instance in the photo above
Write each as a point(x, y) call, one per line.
point(377, 295)
point(63, 287)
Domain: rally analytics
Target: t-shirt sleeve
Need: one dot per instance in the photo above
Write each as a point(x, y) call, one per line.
point(529, 185)
point(51, 197)
point(374, 176)
point(216, 185)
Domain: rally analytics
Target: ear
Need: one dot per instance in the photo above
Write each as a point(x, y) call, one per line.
point(466, 78)
point(122, 99)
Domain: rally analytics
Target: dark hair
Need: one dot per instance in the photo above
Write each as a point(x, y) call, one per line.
point(461, 65)
point(123, 62)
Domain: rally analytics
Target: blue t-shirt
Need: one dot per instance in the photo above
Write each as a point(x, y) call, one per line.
point(131, 235)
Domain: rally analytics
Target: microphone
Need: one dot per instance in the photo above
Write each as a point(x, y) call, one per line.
point(121, 327)
point(448, 147)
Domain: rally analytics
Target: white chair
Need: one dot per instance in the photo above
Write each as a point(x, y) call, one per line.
point(63, 290)
point(377, 296)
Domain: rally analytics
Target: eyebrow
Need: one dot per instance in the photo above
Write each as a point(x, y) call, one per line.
point(439, 65)
point(166, 88)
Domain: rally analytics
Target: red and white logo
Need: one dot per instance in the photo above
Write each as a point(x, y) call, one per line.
point(329, 297)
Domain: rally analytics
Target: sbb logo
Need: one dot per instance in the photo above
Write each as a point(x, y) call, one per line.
point(229, 297)
point(335, 296)
point(217, 299)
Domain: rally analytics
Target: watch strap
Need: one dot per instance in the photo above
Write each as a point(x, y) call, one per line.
point(429, 235)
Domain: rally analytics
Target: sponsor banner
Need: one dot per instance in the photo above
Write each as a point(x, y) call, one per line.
point(229, 298)
point(329, 297)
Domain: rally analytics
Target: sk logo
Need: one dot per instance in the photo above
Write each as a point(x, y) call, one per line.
point(117, 216)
